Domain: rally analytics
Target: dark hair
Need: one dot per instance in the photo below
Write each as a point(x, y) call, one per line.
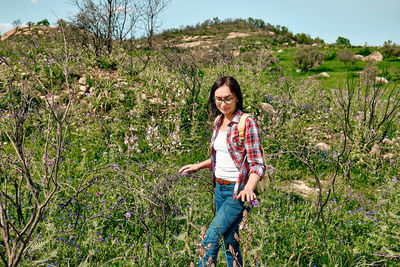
point(233, 86)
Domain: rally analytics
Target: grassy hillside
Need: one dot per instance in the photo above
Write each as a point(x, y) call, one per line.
point(91, 145)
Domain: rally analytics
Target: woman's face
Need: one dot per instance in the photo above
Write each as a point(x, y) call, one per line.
point(225, 100)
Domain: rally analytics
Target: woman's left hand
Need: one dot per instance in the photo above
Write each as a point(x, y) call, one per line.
point(246, 195)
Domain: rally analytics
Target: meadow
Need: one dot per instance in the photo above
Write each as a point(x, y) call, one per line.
point(91, 146)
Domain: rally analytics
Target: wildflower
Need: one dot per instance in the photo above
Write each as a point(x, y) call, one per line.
point(83, 149)
point(98, 194)
point(254, 203)
point(115, 166)
point(394, 180)
point(127, 215)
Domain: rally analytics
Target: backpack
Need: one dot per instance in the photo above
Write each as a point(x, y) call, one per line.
point(263, 184)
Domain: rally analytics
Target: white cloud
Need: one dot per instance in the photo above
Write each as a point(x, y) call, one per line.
point(5, 27)
point(34, 1)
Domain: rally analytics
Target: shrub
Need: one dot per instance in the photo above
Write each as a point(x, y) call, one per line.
point(365, 51)
point(342, 41)
point(44, 23)
point(346, 56)
point(308, 57)
point(330, 55)
point(390, 49)
point(369, 73)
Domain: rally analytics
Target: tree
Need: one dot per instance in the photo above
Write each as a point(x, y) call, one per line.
point(105, 20)
point(43, 22)
point(150, 15)
point(346, 56)
point(17, 23)
point(30, 24)
point(342, 41)
point(390, 49)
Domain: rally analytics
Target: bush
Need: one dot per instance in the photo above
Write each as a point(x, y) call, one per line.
point(342, 41)
point(44, 23)
point(390, 49)
point(365, 51)
point(346, 56)
point(330, 55)
point(308, 57)
point(369, 73)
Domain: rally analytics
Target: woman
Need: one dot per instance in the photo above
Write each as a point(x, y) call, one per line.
point(237, 166)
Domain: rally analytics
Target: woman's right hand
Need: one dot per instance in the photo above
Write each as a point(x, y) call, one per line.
point(189, 168)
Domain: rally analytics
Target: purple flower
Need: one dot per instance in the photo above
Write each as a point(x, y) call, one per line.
point(115, 166)
point(127, 215)
point(394, 180)
point(254, 203)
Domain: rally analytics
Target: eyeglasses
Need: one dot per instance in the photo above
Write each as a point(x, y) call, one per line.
point(227, 101)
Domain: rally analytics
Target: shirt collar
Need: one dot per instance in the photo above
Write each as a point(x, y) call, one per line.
point(238, 114)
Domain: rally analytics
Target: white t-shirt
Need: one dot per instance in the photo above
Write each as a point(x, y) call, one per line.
point(225, 168)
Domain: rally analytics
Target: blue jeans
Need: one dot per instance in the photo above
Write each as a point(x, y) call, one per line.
point(224, 225)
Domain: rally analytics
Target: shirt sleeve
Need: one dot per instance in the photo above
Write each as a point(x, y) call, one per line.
point(252, 142)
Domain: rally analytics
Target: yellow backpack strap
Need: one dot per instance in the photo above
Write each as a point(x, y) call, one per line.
point(241, 125)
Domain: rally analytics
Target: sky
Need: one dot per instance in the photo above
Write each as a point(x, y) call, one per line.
point(360, 21)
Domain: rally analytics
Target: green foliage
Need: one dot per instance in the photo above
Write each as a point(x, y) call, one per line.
point(342, 41)
point(308, 57)
point(346, 56)
point(43, 22)
point(390, 49)
point(365, 51)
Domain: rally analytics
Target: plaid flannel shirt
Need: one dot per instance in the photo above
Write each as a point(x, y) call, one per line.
point(249, 149)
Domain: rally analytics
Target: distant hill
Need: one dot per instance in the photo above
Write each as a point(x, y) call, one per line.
point(26, 31)
point(254, 29)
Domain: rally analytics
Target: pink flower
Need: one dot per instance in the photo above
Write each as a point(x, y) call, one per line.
point(98, 194)
point(83, 149)
point(127, 215)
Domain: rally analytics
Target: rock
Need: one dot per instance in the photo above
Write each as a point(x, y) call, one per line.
point(323, 75)
point(82, 80)
point(268, 109)
point(83, 88)
point(279, 51)
point(232, 35)
point(381, 80)
point(314, 44)
point(374, 56)
point(323, 147)
point(271, 33)
point(285, 44)
point(293, 42)
point(358, 57)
